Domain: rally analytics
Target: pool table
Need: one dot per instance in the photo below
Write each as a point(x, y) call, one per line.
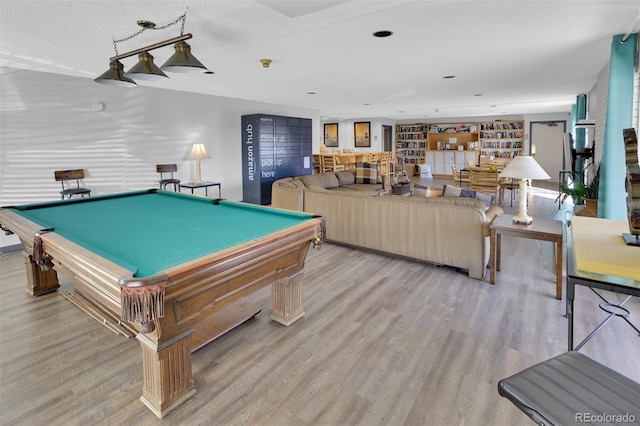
point(168, 265)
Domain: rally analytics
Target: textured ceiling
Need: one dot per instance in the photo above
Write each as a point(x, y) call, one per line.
point(521, 56)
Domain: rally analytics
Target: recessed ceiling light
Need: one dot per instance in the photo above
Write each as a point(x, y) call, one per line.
point(311, 93)
point(383, 33)
point(478, 94)
point(449, 76)
point(366, 104)
point(493, 106)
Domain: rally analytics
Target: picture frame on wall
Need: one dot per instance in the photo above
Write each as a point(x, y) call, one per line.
point(331, 135)
point(362, 134)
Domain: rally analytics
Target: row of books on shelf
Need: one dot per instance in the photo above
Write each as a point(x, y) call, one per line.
point(502, 145)
point(500, 154)
point(501, 126)
point(410, 153)
point(412, 129)
point(420, 144)
point(410, 161)
point(500, 135)
point(411, 136)
point(453, 128)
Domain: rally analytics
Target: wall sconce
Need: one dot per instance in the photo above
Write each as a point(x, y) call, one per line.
point(182, 60)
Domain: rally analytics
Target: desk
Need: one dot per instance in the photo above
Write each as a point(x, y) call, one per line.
point(204, 185)
point(169, 265)
point(540, 229)
point(598, 258)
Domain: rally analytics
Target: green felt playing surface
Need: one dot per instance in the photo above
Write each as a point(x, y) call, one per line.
point(147, 232)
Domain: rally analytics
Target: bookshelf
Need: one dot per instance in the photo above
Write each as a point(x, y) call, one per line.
point(451, 143)
point(411, 144)
point(443, 144)
point(502, 140)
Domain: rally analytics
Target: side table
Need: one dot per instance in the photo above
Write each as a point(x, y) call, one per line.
point(540, 229)
point(204, 185)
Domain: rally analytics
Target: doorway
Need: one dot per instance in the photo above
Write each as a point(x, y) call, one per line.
point(387, 138)
point(547, 145)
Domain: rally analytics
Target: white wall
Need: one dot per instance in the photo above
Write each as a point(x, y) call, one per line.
point(48, 123)
point(346, 132)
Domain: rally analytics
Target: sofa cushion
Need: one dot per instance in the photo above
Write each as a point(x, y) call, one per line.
point(325, 180)
point(374, 187)
point(456, 191)
point(458, 202)
point(366, 173)
point(346, 177)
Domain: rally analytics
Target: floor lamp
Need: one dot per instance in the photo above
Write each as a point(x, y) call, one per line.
point(198, 152)
point(523, 167)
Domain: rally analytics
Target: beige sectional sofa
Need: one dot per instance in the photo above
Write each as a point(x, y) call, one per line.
point(440, 230)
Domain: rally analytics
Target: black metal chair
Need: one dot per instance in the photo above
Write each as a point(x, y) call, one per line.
point(67, 176)
point(572, 389)
point(164, 181)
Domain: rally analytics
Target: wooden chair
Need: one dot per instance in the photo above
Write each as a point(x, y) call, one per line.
point(63, 176)
point(169, 169)
point(317, 163)
point(384, 163)
point(459, 177)
point(367, 157)
point(392, 163)
point(348, 161)
point(331, 163)
point(485, 181)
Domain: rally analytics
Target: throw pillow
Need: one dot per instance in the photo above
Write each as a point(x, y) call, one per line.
point(456, 191)
point(366, 173)
point(488, 199)
point(346, 177)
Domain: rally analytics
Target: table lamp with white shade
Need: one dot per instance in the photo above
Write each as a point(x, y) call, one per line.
point(523, 167)
point(198, 152)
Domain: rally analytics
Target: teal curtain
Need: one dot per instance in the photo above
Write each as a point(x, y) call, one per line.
point(612, 195)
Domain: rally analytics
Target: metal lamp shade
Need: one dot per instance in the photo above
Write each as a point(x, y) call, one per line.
point(145, 69)
point(183, 61)
point(115, 76)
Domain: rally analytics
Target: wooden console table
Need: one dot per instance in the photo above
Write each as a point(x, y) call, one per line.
point(540, 229)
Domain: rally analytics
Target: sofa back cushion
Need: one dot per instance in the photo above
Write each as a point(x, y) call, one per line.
point(325, 180)
point(367, 173)
point(346, 177)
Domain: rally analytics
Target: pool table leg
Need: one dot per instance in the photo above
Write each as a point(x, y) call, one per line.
point(38, 281)
point(286, 299)
point(166, 371)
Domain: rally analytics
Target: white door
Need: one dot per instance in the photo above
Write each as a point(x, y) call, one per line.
point(548, 137)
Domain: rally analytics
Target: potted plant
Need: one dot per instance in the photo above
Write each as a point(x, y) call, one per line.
point(586, 190)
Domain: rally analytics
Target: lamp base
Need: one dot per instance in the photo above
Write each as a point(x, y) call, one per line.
point(523, 218)
point(197, 182)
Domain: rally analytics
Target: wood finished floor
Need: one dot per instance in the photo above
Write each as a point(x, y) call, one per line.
point(385, 341)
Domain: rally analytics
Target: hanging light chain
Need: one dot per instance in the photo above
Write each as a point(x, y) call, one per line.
point(182, 18)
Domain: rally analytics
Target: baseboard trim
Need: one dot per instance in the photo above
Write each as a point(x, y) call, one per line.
point(9, 249)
